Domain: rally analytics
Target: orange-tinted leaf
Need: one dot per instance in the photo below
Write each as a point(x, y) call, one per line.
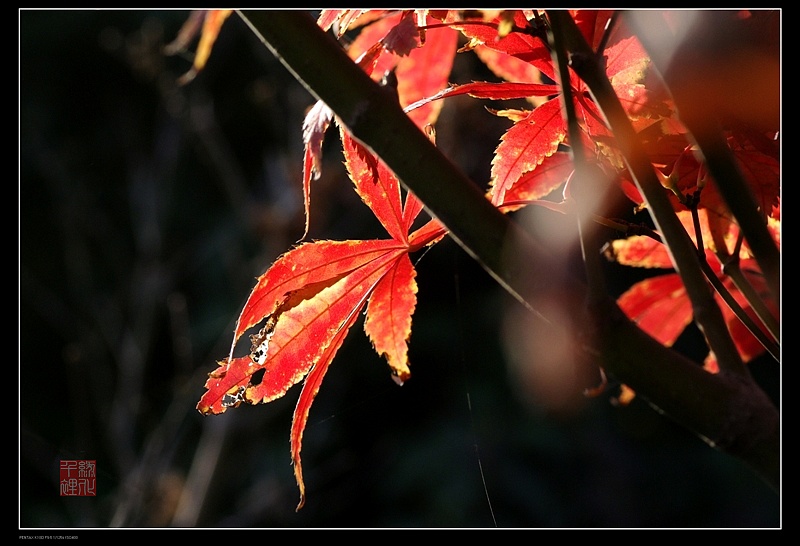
point(592, 24)
point(302, 334)
point(673, 156)
point(403, 37)
point(211, 27)
point(524, 45)
point(368, 49)
point(641, 251)
point(388, 322)
point(341, 17)
point(507, 67)
point(489, 90)
point(626, 64)
point(370, 38)
point(226, 385)
point(310, 389)
point(420, 71)
point(430, 233)
point(748, 345)
point(328, 17)
point(207, 23)
point(659, 306)
point(655, 303)
point(411, 211)
point(296, 336)
point(762, 172)
point(525, 145)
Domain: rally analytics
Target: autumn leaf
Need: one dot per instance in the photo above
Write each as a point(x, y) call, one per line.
point(341, 19)
point(376, 184)
point(388, 322)
point(534, 185)
point(489, 90)
point(308, 300)
point(526, 46)
point(424, 71)
point(507, 67)
point(746, 343)
point(404, 36)
point(592, 24)
point(660, 307)
point(674, 158)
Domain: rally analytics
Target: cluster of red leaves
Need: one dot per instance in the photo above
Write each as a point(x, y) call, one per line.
point(308, 300)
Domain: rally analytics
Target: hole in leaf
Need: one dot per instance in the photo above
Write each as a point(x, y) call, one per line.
point(257, 377)
point(233, 400)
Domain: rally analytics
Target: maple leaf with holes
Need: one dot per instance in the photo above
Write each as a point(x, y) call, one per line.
point(311, 296)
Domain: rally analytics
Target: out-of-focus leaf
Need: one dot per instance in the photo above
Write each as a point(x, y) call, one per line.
point(212, 21)
point(659, 306)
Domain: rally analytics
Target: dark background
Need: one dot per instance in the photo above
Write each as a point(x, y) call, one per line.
point(147, 209)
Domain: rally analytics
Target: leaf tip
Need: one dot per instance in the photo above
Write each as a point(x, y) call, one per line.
point(400, 377)
point(205, 409)
point(298, 474)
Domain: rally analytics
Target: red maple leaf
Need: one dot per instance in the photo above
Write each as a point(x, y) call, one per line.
point(308, 300)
